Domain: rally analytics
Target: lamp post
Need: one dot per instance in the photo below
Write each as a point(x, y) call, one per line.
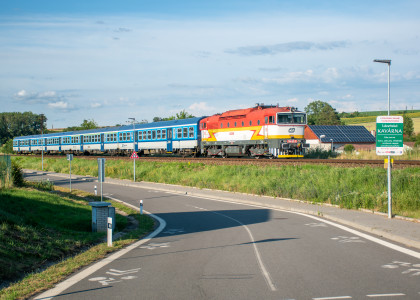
point(42, 141)
point(388, 62)
point(134, 148)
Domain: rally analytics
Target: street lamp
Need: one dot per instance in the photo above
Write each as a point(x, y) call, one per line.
point(134, 148)
point(388, 62)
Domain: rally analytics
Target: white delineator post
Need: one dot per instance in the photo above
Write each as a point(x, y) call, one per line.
point(109, 232)
point(96, 191)
point(141, 207)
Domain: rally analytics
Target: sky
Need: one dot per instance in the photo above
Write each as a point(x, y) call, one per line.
point(108, 61)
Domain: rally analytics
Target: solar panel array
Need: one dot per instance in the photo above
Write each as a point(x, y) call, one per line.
point(343, 134)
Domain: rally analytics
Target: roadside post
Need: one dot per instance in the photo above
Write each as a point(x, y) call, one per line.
point(109, 232)
point(141, 207)
point(70, 158)
point(134, 156)
point(96, 191)
point(101, 173)
point(389, 141)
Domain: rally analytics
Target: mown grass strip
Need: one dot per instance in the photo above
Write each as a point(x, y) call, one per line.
point(29, 242)
point(361, 187)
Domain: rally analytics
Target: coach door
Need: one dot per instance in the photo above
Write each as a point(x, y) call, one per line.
point(169, 140)
point(102, 142)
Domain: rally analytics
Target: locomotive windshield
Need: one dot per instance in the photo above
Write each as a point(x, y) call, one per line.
point(293, 118)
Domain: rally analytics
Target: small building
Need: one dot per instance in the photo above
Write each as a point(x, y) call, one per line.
point(335, 137)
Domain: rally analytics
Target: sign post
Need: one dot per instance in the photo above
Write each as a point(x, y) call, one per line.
point(389, 141)
point(70, 158)
point(134, 156)
point(101, 173)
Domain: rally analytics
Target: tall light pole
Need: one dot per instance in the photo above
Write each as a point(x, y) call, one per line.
point(42, 141)
point(388, 62)
point(134, 148)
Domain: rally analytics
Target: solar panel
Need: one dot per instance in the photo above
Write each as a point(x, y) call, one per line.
point(342, 134)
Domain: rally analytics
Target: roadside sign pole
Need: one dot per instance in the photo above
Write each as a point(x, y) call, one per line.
point(101, 173)
point(134, 169)
point(109, 232)
point(70, 158)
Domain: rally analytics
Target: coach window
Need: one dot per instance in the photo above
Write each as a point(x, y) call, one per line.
point(140, 137)
point(243, 124)
point(149, 134)
point(154, 134)
point(221, 125)
point(235, 124)
point(158, 135)
point(164, 134)
point(228, 125)
point(191, 132)
point(250, 123)
point(179, 133)
point(185, 135)
point(258, 122)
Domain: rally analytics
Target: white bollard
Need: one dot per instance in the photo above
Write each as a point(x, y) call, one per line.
point(141, 207)
point(96, 191)
point(109, 232)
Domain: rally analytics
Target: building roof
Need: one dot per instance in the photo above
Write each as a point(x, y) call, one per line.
point(342, 134)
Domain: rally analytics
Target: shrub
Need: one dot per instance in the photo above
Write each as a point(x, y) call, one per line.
point(349, 148)
point(17, 175)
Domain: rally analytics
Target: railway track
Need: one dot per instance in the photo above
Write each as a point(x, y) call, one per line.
point(263, 161)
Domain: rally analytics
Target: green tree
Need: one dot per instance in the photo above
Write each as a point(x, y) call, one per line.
point(321, 113)
point(181, 115)
point(88, 124)
point(408, 126)
point(14, 124)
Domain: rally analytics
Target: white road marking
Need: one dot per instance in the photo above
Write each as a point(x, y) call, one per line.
point(85, 273)
point(412, 268)
point(263, 269)
point(385, 295)
point(121, 273)
point(316, 225)
point(345, 239)
point(352, 231)
point(174, 231)
point(328, 298)
point(153, 246)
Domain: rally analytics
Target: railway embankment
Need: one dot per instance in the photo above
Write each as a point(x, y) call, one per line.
point(357, 187)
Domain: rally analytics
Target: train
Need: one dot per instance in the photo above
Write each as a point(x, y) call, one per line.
point(260, 131)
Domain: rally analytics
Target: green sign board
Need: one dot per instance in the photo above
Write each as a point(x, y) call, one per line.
point(389, 135)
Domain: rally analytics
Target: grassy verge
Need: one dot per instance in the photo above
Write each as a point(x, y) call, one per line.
point(347, 187)
point(41, 229)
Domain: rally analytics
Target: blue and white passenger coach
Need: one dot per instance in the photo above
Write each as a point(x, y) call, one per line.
point(177, 136)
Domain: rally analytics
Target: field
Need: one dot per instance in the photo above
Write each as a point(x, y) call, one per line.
point(361, 187)
point(372, 125)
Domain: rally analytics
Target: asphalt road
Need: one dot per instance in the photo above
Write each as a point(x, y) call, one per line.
point(219, 250)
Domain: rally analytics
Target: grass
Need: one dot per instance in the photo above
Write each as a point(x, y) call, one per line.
point(41, 229)
point(361, 187)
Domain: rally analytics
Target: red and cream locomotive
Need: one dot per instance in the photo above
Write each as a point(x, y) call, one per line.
point(260, 131)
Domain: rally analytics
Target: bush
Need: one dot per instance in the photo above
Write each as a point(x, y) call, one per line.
point(349, 148)
point(319, 153)
point(17, 175)
point(7, 148)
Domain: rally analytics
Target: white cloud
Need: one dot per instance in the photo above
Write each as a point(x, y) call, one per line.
point(200, 108)
point(59, 105)
point(96, 105)
point(292, 100)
